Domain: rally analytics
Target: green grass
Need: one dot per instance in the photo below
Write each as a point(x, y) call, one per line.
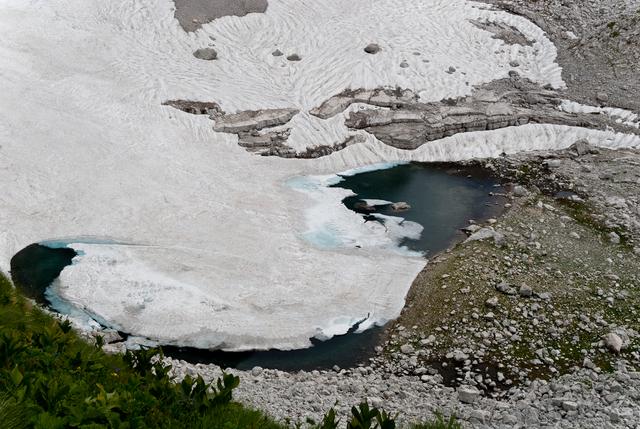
point(50, 378)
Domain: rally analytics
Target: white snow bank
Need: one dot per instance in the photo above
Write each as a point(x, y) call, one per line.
point(204, 242)
point(621, 116)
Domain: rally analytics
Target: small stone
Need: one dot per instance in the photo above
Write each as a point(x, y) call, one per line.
point(407, 349)
point(569, 405)
point(492, 302)
point(451, 70)
point(602, 97)
point(277, 53)
point(552, 163)
point(374, 401)
point(514, 63)
point(575, 235)
point(206, 54)
point(520, 191)
point(480, 416)
point(468, 394)
point(546, 296)
point(613, 342)
point(404, 64)
point(372, 48)
point(294, 57)
point(613, 237)
point(503, 287)
point(472, 228)
point(256, 371)
point(582, 147)
point(115, 348)
point(525, 291)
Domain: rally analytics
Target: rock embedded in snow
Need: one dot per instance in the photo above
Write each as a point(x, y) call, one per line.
point(277, 53)
point(294, 57)
point(404, 64)
point(372, 48)
point(400, 206)
point(250, 120)
point(207, 54)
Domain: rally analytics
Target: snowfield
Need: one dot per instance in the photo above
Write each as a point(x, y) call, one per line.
point(183, 236)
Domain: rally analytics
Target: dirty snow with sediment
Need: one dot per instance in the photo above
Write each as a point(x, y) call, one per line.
point(184, 237)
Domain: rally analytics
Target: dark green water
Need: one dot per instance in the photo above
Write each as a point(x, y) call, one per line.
point(36, 266)
point(442, 197)
point(344, 350)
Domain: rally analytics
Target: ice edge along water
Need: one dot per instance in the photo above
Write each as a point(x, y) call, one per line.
point(86, 149)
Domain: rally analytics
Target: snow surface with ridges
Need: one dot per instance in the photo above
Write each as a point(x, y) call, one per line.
point(201, 243)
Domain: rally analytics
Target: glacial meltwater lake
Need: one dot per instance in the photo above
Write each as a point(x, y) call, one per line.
point(442, 199)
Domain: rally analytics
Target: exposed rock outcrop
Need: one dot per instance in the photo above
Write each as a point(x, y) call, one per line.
point(407, 123)
point(507, 33)
point(196, 107)
point(252, 120)
point(393, 98)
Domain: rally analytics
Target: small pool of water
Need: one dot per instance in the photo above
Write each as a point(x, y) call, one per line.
point(35, 267)
point(442, 198)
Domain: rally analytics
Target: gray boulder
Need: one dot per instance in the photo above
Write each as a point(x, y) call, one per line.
point(206, 54)
point(372, 48)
